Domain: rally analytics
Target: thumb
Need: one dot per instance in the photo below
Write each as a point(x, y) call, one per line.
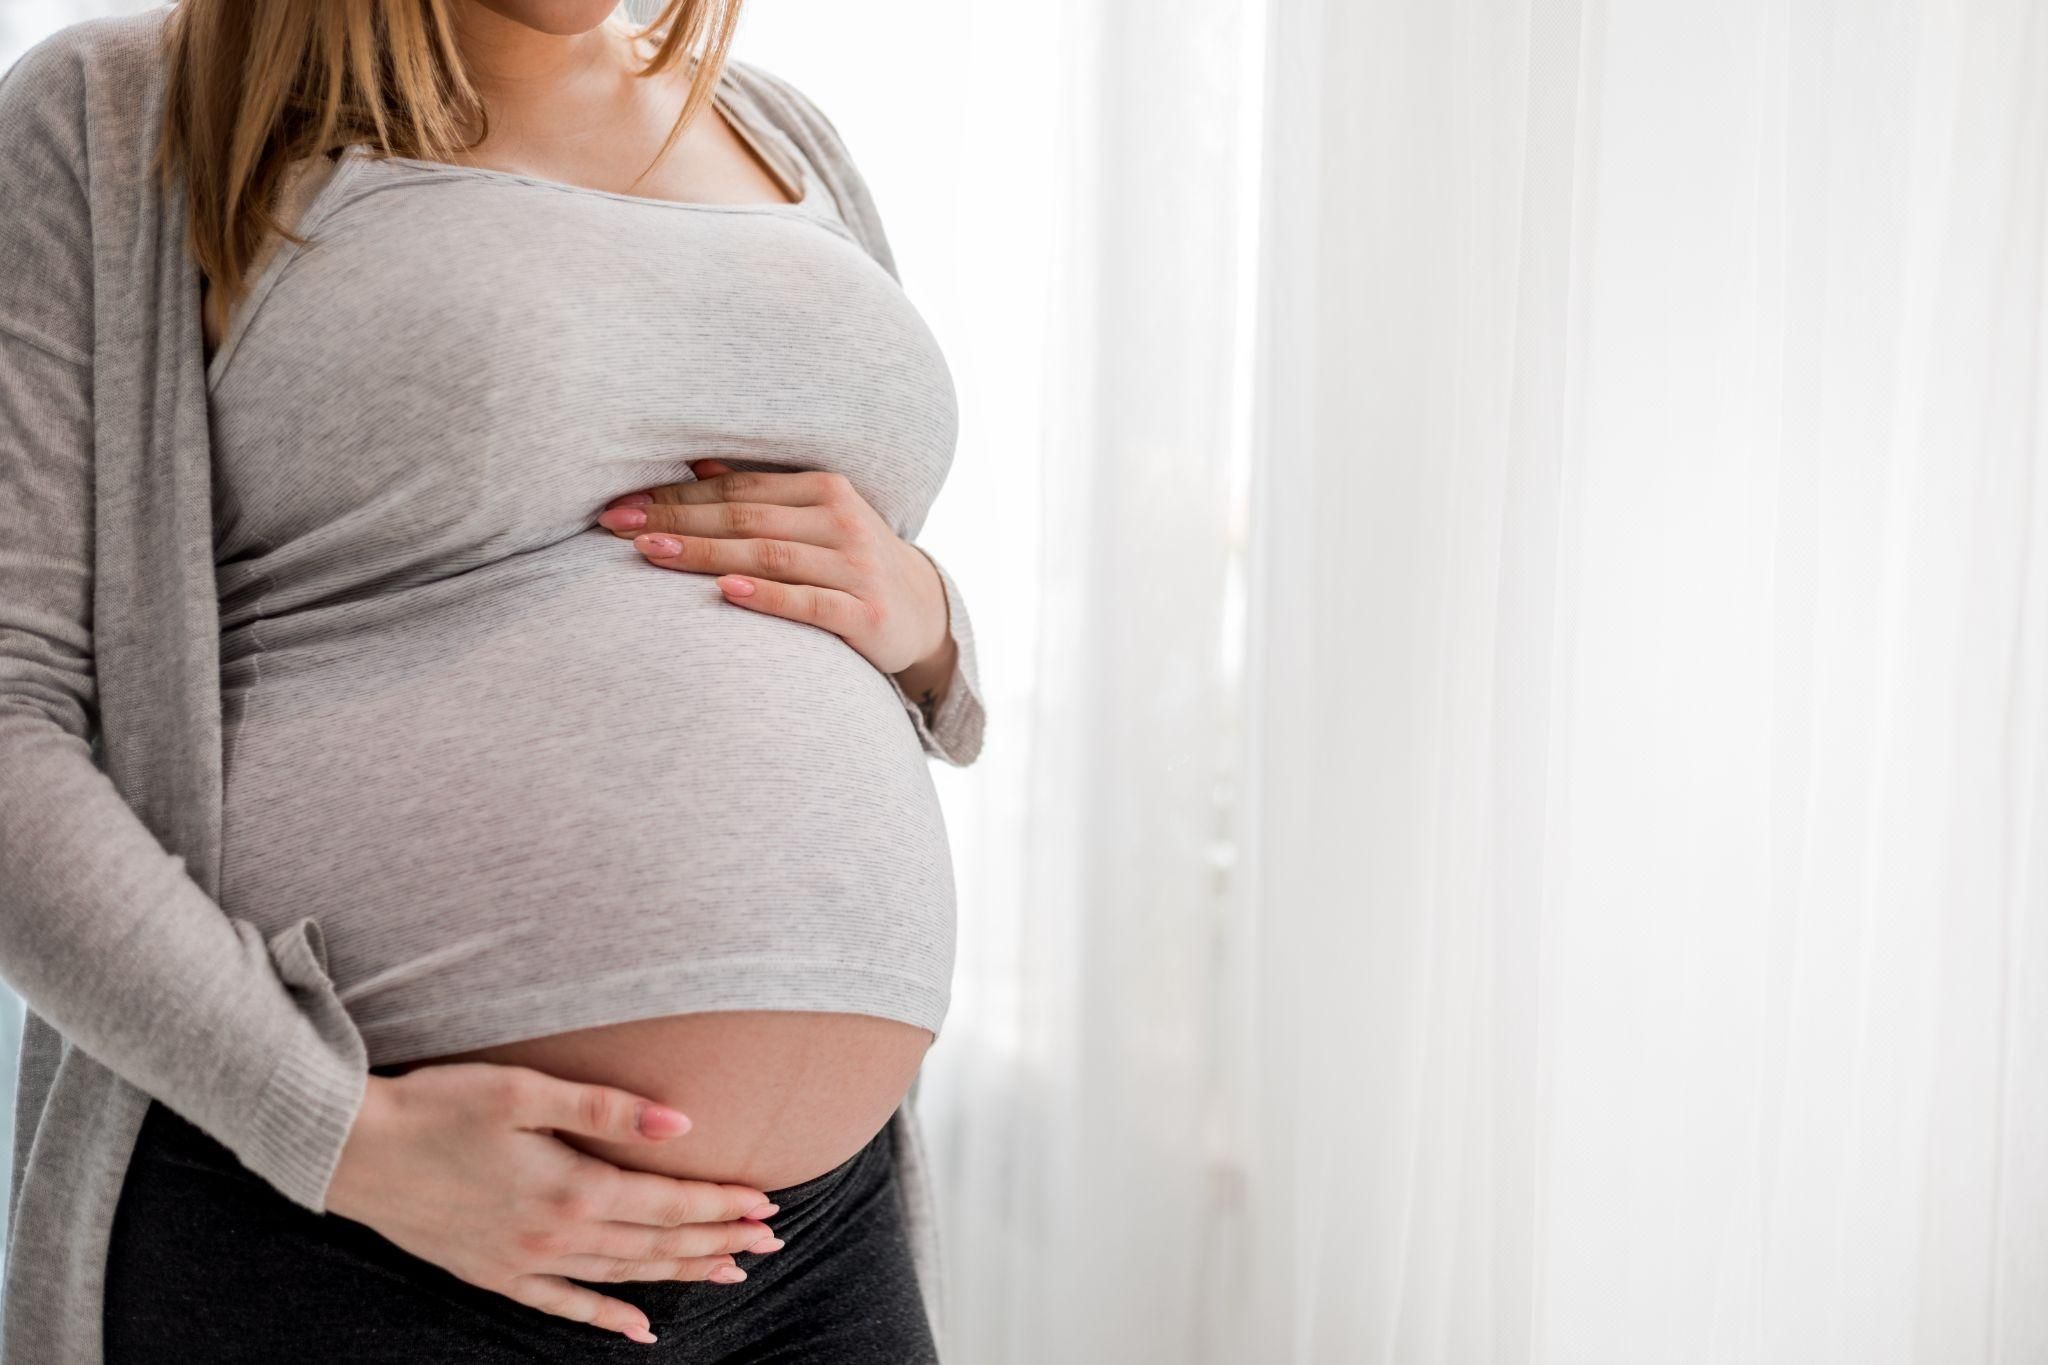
point(598, 1111)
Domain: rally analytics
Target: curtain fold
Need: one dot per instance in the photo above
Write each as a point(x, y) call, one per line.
point(1650, 859)
point(1081, 1094)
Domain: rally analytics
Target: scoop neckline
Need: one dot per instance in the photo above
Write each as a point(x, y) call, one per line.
point(808, 205)
point(817, 207)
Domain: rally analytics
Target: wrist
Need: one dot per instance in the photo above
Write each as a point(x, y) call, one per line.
point(373, 1120)
point(934, 667)
point(928, 680)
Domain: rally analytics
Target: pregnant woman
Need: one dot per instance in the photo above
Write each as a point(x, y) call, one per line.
point(578, 673)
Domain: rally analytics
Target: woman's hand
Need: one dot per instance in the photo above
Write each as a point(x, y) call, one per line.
point(805, 546)
point(458, 1164)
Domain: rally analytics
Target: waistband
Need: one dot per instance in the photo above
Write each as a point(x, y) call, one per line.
point(878, 1147)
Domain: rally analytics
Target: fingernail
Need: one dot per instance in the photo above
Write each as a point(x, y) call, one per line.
point(738, 587)
point(728, 1274)
point(765, 1211)
point(621, 518)
point(633, 500)
point(659, 547)
point(772, 1244)
point(658, 1120)
point(642, 1335)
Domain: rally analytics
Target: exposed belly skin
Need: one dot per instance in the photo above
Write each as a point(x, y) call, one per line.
point(775, 1097)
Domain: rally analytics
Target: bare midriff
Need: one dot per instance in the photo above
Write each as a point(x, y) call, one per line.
point(774, 1097)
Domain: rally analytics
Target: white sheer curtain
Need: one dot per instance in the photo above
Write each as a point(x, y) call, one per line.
point(1511, 544)
point(1603, 918)
point(1650, 855)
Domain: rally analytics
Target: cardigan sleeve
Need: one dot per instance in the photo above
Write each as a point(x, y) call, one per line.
point(103, 932)
point(953, 730)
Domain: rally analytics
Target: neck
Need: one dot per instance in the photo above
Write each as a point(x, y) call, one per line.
point(554, 87)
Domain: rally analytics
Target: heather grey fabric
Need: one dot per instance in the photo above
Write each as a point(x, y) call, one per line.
point(448, 698)
point(138, 982)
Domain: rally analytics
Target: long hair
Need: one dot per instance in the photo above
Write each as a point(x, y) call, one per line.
point(254, 85)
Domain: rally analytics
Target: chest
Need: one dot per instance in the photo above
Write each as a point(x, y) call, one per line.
point(485, 363)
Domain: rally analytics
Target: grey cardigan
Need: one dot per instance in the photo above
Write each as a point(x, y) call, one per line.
point(137, 983)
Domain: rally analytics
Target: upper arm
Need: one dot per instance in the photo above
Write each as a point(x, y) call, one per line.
point(46, 222)
point(46, 438)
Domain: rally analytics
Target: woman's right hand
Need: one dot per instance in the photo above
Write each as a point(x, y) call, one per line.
point(458, 1164)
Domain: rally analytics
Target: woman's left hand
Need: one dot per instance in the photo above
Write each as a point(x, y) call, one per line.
point(800, 545)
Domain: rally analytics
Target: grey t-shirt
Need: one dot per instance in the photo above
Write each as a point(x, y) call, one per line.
point(527, 781)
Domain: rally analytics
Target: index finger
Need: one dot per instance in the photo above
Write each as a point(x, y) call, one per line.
point(788, 488)
point(668, 1201)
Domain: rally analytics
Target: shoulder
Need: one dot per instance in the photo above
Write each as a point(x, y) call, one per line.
point(101, 75)
point(77, 116)
point(780, 96)
point(798, 116)
point(68, 64)
point(790, 109)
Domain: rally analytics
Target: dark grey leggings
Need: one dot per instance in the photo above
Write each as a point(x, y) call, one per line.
point(209, 1265)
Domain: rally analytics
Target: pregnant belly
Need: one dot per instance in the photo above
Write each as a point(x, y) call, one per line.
point(579, 813)
point(775, 1097)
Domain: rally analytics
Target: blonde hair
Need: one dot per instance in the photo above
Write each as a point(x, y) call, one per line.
point(255, 85)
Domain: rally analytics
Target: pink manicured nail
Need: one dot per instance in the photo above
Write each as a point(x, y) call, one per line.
point(633, 500)
point(765, 1211)
point(641, 1335)
point(728, 1274)
point(658, 1120)
point(621, 518)
point(659, 547)
point(771, 1244)
point(738, 587)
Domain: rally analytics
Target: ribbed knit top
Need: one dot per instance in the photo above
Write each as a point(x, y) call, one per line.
point(527, 781)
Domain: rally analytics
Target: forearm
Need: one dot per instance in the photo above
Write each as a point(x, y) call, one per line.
point(103, 930)
point(105, 935)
